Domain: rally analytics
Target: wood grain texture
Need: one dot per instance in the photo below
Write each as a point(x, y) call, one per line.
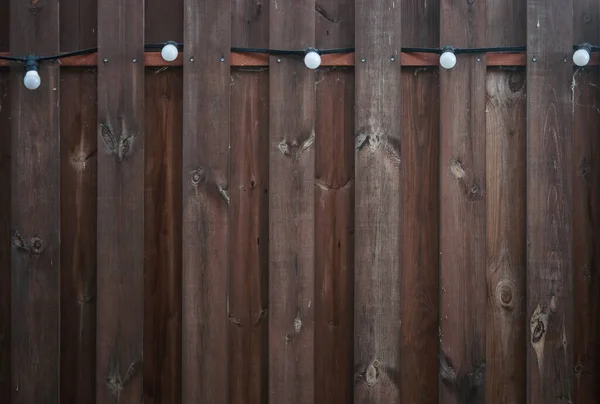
point(419, 279)
point(505, 211)
point(334, 210)
point(549, 202)
point(249, 221)
point(35, 244)
point(249, 239)
point(334, 236)
point(505, 236)
point(205, 177)
point(462, 208)
point(78, 202)
point(586, 211)
point(162, 258)
point(162, 210)
point(120, 246)
point(420, 222)
point(5, 234)
point(378, 198)
point(78, 173)
point(291, 206)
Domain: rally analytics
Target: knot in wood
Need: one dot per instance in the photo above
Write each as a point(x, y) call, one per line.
point(456, 168)
point(505, 292)
point(372, 373)
point(198, 176)
point(37, 245)
point(578, 368)
point(538, 331)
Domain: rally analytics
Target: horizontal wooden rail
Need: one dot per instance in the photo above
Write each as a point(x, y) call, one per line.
point(154, 59)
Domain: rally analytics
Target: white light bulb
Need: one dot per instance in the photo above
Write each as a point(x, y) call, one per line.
point(169, 52)
point(448, 60)
point(581, 57)
point(32, 80)
point(312, 60)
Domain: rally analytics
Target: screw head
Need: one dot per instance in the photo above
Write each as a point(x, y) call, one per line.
point(565, 60)
point(278, 60)
point(192, 59)
point(478, 59)
point(534, 59)
point(105, 60)
point(222, 59)
point(392, 58)
point(134, 60)
point(363, 60)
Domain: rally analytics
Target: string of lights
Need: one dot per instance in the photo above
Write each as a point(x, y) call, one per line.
point(312, 57)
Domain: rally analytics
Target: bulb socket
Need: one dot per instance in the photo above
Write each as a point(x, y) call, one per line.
point(31, 63)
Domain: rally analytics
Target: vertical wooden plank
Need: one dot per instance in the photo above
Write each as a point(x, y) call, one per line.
point(5, 237)
point(586, 210)
point(35, 209)
point(120, 245)
point(78, 235)
point(5, 200)
point(291, 206)
point(420, 211)
point(205, 200)
point(505, 212)
point(162, 258)
point(249, 239)
point(549, 201)
point(462, 207)
point(162, 211)
point(78, 201)
point(249, 221)
point(334, 210)
point(378, 198)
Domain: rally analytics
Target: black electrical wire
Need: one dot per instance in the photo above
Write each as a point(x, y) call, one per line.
point(299, 52)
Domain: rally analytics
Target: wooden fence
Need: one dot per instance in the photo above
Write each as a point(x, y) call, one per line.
point(240, 229)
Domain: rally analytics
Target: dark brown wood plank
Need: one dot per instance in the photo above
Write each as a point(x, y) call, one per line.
point(78, 202)
point(505, 236)
point(5, 209)
point(462, 208)
point(249, 239)
point(162, 210)
point(586, 211)
point(549, 202)
point(291, 206)
point(120, 280)
point(420, 253)
point(248, 215)
point(78, 173)
point(420, 211)
point(334, 236)
point(205, 177)
point(378, 197)
point(5, 267)
point(35, 209)
point(505, 211)
point(334, 210)
point(162, 258)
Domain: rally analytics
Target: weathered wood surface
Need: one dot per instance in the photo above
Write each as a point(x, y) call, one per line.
point(291, 206)
point(248, 215)
point(377, 202)
point(120, 280)
point(419, 293)
point(5, 268)
point(249, 240)
point(162, 258)
point(78, 203)
point(162, 211)
point(549, 202)
point(505, 211)
point(462, 208)
point(334, 210)
point(205, 182)
point(78, 158)
point(585, 172)
point(35, 243)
